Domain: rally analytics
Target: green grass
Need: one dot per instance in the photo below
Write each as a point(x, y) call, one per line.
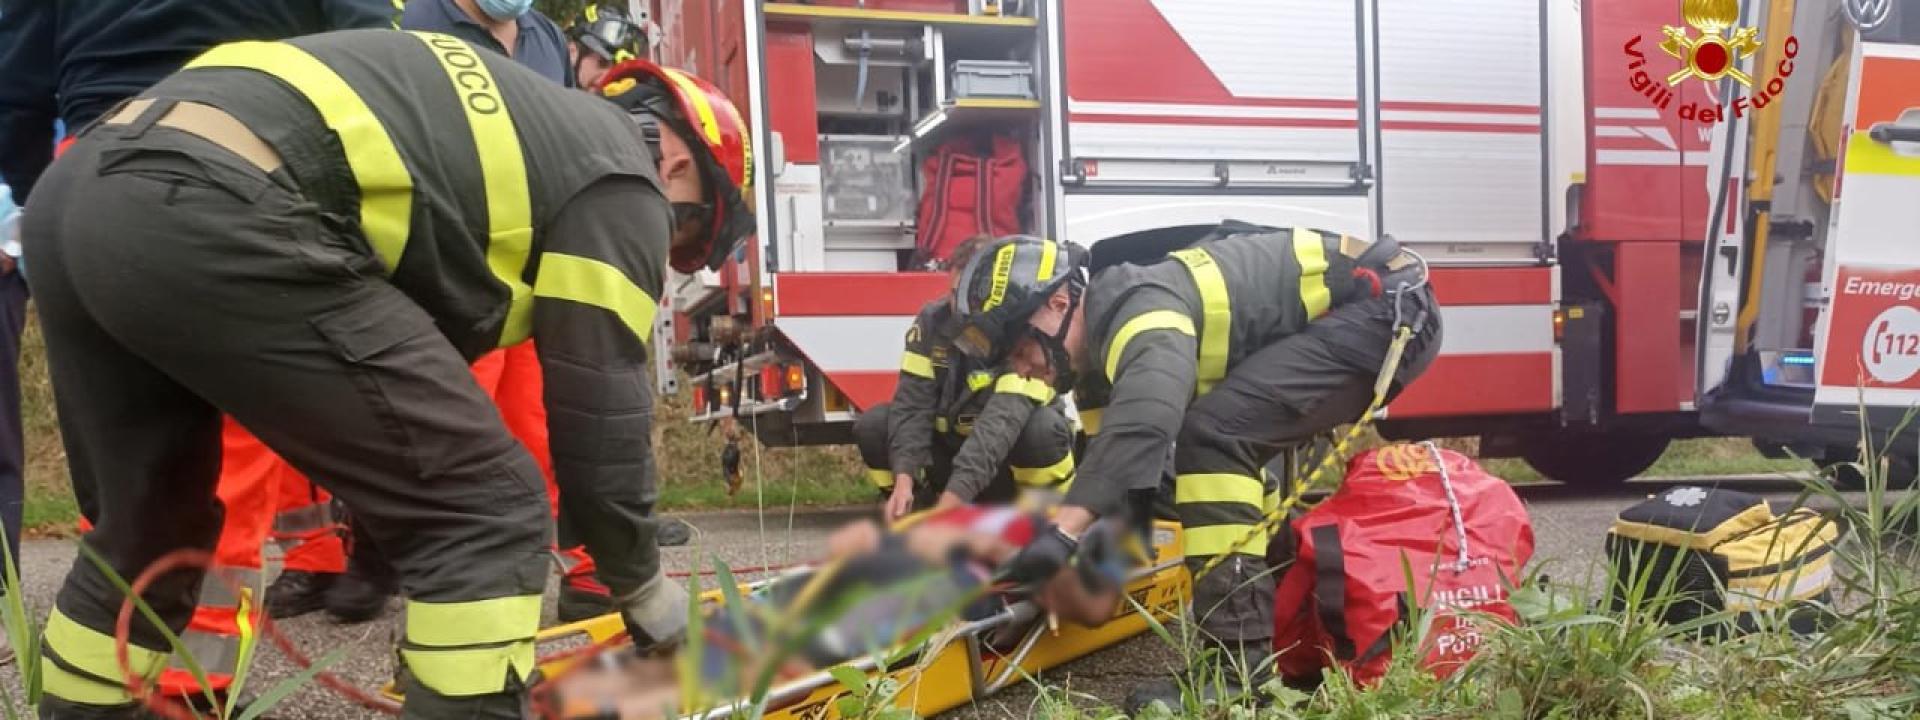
point(1574, 658)
point(1684, 458)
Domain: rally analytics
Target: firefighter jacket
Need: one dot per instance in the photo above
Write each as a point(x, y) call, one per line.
point(452, 173)
point(943, 391)
point(1159, 335)
point(73, 60)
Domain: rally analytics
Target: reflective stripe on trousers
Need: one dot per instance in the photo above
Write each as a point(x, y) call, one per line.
point(463, 649)
point(79, 664)
point(1218, 509)
point(1058, 476)
point(305, 520)
point(214, 636)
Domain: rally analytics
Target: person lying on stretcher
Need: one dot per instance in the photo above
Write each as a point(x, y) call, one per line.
point(875, 591)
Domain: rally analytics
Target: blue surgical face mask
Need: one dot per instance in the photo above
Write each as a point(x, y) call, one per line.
point(505, 9)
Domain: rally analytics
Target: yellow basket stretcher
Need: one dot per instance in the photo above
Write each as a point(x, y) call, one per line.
point(982, 657)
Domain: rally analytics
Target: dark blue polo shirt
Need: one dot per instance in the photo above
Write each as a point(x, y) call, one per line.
point(541, 46)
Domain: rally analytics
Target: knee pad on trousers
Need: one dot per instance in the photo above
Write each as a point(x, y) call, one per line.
point(1043, 454)
point(870, 435)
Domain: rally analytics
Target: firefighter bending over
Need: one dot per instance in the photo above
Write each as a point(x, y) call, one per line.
point(957, 431)
point(1250, 341)
point(317, 236)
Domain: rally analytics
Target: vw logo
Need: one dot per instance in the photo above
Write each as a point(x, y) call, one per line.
point(1868, 14)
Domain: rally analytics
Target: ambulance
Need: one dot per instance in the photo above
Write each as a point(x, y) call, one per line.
point(1647, 219)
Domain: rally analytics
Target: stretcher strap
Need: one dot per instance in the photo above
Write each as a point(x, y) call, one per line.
point(1330, 588)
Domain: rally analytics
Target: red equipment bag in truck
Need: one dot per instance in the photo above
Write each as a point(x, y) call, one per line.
point(972, 185)
point(1403, 510)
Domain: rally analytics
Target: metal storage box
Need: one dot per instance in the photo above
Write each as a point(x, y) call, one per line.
point(864, 181)
point(992, 79)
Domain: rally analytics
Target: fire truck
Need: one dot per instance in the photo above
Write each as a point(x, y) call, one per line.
point(1632, 208)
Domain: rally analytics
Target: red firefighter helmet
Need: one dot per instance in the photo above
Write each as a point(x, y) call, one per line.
point(703, 116)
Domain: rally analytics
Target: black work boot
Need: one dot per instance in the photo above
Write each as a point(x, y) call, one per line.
point(582, 603)
point(1232, 674)
point(361, 594)
point(672, 533)
point(298, 592)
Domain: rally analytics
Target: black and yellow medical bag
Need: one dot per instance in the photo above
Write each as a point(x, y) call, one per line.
point(1693, 552)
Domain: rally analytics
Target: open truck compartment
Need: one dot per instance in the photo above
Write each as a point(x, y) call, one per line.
point(1139, 123)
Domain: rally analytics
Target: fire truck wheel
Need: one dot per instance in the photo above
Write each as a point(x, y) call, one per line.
point(1602, 459)
point(1846, 475)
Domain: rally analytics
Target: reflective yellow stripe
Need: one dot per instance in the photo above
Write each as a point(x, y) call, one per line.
point(1218, 539)
point(917, 365)
point(882, 479)
point(592, 282)
point(1146, 321)
point(91, 652)
point(475, 622)
point(940, 424)
point(1273, 501)
point(1219, 487)
point(1216, 329)
point(1090, 420)
point(979, 380)
point(471, 671)
point(1311, 251)
point(1047, 251)
point(504, 169)
point(467, 648)
point(1037, 390)
point(1046, 476)
point(1866, 156)
point(698, 98)
point(386, 188)
point(55, 681)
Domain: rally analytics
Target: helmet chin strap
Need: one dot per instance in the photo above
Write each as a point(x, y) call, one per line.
point(1059, 360)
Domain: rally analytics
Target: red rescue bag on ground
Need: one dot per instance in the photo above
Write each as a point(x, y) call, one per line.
point(971, 186)
point(1395, 516)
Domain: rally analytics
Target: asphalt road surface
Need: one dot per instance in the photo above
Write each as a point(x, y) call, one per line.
point(1568, 526)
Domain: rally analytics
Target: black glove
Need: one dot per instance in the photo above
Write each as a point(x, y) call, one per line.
point(1102, 561)
point(1039, 560)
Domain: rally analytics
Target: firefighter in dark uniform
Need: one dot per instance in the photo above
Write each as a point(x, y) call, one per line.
point(600, 38)
point(1250, 341)
point(959, 432)
point(317, 236)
